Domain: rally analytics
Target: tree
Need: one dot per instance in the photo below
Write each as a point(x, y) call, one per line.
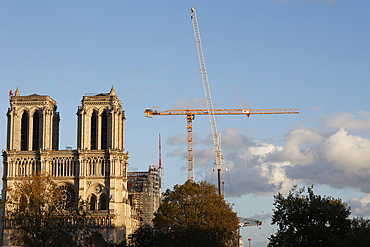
point(359, 233)
point(144, 236)
point(194, 214)
point(309, 220)
point(42, 215)
point(95, 239)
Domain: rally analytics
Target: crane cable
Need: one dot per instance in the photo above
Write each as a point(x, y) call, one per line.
point(233, 196)
point(232, 191)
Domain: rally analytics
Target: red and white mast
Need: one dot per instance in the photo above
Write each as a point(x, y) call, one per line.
point(160, 165)
point(160, 155)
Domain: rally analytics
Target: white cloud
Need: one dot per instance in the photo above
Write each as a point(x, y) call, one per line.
point(300, 146)
point(249, 166)
point(177, 139)
point(348, 121)
point(360, 207)
point(340, 160)
point(348, 152)
point(311, 156)
point(335, 158)
point(203, 158)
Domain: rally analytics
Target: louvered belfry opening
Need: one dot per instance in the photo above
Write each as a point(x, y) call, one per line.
point(24, 131)
point(36, 131)
point(93, 132)
point(104, 130)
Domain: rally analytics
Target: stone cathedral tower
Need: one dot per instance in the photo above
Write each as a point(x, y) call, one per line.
point(95, 172)
point(101, 122)
point(33, 123)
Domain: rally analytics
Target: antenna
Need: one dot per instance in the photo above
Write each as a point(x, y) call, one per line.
point(160, 155)
point(161, 177)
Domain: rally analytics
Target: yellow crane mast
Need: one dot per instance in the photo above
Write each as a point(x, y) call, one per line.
point(190, 114)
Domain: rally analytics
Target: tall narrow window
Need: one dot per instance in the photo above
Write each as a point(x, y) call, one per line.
point(9, 126)
point(92, 202)
point(35, 142)
point(24, 131)
point(103, 203)
point(104, 130)
point(93, 131)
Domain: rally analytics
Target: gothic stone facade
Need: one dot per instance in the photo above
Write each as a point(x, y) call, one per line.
point(96, 172)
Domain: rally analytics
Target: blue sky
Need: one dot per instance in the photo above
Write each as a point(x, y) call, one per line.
point(259, 54)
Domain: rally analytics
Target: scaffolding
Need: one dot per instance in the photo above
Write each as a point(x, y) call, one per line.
point(144, 192)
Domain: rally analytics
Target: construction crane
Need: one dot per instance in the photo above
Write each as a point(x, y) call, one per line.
point(243, 222)
point(207, 93)
point(190, 114)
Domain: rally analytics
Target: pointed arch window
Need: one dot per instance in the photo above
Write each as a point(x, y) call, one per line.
point(9, 127)
point(24, 131)
point(104, 130)
point(92, 202)
point(103, 202)
point(93, 132)
point(36, 131)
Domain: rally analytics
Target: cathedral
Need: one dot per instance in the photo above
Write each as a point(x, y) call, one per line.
point(96, 172)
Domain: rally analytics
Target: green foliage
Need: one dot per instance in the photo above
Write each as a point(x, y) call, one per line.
point(146, 236)
point(309, 220)
point(193, 214)
point(42, 217)
point(359, 233)
point(95, 239)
